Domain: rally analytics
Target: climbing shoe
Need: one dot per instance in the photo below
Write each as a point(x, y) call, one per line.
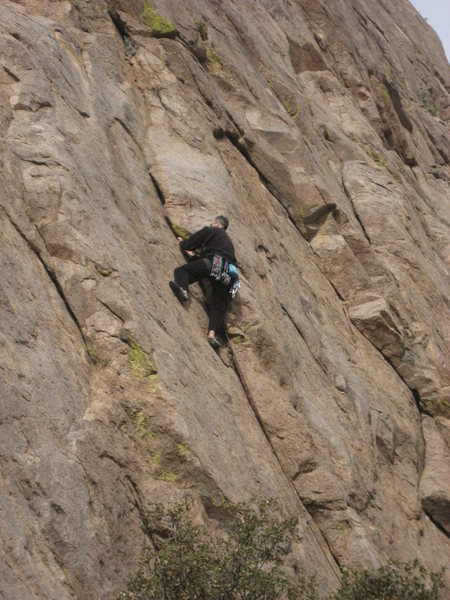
point(181, 294)
point(214, 342)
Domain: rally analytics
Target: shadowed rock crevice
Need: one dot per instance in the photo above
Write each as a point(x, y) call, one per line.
point(158, 190)
point(355, 212)
point(51, 274)
point(119, 24)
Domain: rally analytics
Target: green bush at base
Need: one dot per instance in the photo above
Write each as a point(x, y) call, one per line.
point(247, 562)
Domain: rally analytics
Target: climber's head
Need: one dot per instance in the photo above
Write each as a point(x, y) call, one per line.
point(220, 221)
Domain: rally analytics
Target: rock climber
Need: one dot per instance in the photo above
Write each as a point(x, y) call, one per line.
point(217, 261)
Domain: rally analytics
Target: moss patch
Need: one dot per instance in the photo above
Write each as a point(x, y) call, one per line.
point(104, 272)
point(159, 471)
point(378, 158)
point(213, 60)
point(167, 476)
point(160, 27)
point(183, 450)
point(141, 423)
point(143, 426)
point(292, 108)
point(140, 362)
point(92, 353)
point(153, 379)
point(238, 339)
point(179, 231)
point(444, 403)
point(343, 526)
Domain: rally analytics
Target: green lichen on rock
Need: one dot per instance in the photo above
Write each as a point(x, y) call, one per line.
point(378, 158)
point(91, 352)
point(167, 476)
point(153, 379)
point(236, 333)
point(213, 60)
point(104, 272)
point(179, 231)
point(444, 403)
point(140, 362)
point(141, 423)
point(143, 426)
point(238, 339)
point(160, 27)
point(292, 108)
point(159, 471)
point(183, 450)
point(343, 526)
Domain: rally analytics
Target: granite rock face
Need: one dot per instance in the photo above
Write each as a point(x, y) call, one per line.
point(323, 134)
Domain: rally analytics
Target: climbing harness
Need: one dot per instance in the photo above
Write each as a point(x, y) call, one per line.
point(220, 270)
point(226, 273)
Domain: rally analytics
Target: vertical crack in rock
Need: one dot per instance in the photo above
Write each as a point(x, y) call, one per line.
point(118, 24)
point(320, 539)
point(51, 274)
point(162, 199)
point(338, 294)
point(121, 28)
point(158, 190)
point(273, 191)
point(355, 212)
point(298, 330)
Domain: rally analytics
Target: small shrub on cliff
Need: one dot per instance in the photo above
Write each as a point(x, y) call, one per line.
point(186, 563)
point(406, 581)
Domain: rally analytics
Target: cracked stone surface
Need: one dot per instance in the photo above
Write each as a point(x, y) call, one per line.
point(323, 135)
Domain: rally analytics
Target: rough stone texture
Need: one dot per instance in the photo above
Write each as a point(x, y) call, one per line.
point(434, 483)
point(323, 134)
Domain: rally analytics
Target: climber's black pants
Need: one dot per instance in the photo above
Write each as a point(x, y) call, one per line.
point(201, 269)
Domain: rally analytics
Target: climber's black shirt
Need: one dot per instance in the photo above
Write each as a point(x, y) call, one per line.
point(211, 240)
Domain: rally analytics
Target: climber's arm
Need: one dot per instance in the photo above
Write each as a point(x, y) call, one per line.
point(195, 241)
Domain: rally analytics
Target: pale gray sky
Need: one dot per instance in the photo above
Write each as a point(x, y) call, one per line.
point(437, 14)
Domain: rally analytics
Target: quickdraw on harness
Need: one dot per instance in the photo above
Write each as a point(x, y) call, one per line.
point(234, 290)
point(226, 273)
